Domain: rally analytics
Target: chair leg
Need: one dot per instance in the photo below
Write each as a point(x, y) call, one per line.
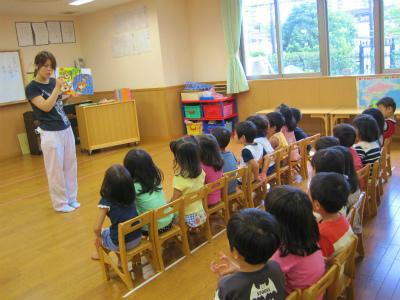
point(208, 228)
point(125, 274)
point(360, 245)
point(105, 268)
point(185, 242)
point(373, 203)
point(159, 255)
point(389, 166)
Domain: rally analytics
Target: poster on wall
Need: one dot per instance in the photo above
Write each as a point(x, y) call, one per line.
point(76, 81)
point(24, 33)
point(40, 33)
point(372, 88)
point(54, 29)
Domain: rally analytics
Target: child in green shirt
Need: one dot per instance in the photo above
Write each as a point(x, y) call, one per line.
point(147, 179)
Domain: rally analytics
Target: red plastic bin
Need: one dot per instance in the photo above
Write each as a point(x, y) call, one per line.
point(214, 111)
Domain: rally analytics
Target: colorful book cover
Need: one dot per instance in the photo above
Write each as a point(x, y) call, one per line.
point(76, 81)
point(123, 94)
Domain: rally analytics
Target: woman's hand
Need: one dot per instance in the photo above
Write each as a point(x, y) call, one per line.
point(224, 266)
point(59, 83)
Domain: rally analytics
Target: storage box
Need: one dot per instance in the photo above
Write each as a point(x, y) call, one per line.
point(214, 111)
point(208, 127)
point(192, 111)
point(194, 128)
point(190, 96)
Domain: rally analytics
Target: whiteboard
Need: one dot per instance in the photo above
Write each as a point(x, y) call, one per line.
point(12, 87)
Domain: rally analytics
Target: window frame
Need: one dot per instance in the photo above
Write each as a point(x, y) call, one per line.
point(322, 13)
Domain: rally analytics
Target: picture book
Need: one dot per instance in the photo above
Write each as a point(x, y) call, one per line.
point(76, 81)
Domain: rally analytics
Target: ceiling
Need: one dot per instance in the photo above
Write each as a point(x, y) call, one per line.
point(53, 7)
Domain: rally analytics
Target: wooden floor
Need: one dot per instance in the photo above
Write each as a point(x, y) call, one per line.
point(45, 255)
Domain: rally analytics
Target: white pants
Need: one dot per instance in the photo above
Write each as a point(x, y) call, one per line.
point(59, 156)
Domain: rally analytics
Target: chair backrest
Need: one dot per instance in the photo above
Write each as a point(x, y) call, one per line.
point(217, 185)
point(171, 208)
point(375, 173)
point(364, 175)
point(198, 195)
point(294, 295)
point(345, 260)
point(283, 158)
point(321, 286)
point(272, 157)
point(310, 141)
point(351, 215)
point(358, 208)
point(236, 175)
point(133, 225)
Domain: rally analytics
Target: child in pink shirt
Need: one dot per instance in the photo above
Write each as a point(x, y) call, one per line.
point(329, 192)
point(299, 255)
point(211, 163)
point(288, 130)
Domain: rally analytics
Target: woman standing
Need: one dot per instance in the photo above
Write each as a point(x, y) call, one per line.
point(57, 139)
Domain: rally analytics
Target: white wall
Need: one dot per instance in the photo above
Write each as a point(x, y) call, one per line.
point(64, 53)
point(207, 40)
point(136, 71)
point(173, 24)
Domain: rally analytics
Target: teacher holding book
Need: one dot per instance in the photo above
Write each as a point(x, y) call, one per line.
point(57, 138)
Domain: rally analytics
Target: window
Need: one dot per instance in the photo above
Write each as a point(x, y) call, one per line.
point(259, 38)
point(391, 29)
point(351, 37)
point(329, 37)
point(300, 36)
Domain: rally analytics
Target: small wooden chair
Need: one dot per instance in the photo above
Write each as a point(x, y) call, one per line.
point(191, 198)
point(364, 176)
point(272, 178)
point(358, 209)
point(240, 195)
point(309, 142)
point(298, 165)
point(383, 164)
point(322, 285)
point(295, 295)
point(374, 190)
point(128, 255)
point(345, 260)
point(282, 166)
point(177, 229)
point(217, 185)
point(388, 164)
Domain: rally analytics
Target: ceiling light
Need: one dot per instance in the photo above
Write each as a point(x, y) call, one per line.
point(80, 2)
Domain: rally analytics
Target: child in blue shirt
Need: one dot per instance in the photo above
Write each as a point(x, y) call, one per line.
point(118, 204)
point(223, 137)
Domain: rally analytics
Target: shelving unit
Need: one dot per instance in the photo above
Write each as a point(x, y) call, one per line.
point(220, 112)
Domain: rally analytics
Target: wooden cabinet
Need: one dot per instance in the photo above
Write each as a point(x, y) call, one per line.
point(106, 125)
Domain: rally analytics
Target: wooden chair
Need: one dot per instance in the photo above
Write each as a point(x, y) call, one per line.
point(345, 260)
point(388, 164)
point(297, 165)
point(272, 178)
point(177, 229)
point(191, 198)
point(321, 286)
point(383, 164)
point(282, 166)
point(240, 195)
point(357, 220)
point(374, 198)
point(295, 295)
point(146, 245)
point(309, 142)
point(381, 175)
point(364, 176)
point(217, 185)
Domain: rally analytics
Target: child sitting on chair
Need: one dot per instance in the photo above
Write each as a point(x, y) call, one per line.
point(298, 132)
point(288, 130)
point(275, 136)
point(388, 107)
point(252, 154)
point(147, 178)
point(329, 192)
point(223, 137)
point(253, 237)
point(118, 204)
point(346, 134)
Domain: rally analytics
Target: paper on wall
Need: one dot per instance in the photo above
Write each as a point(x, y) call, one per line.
point(24, 33)
point(54, 30)
point(40, 33)
point(68, 31)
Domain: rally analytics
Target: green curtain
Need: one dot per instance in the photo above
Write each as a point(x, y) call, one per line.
point(232, 23)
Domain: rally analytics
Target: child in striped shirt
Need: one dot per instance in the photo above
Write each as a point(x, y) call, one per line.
point(367, 147)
